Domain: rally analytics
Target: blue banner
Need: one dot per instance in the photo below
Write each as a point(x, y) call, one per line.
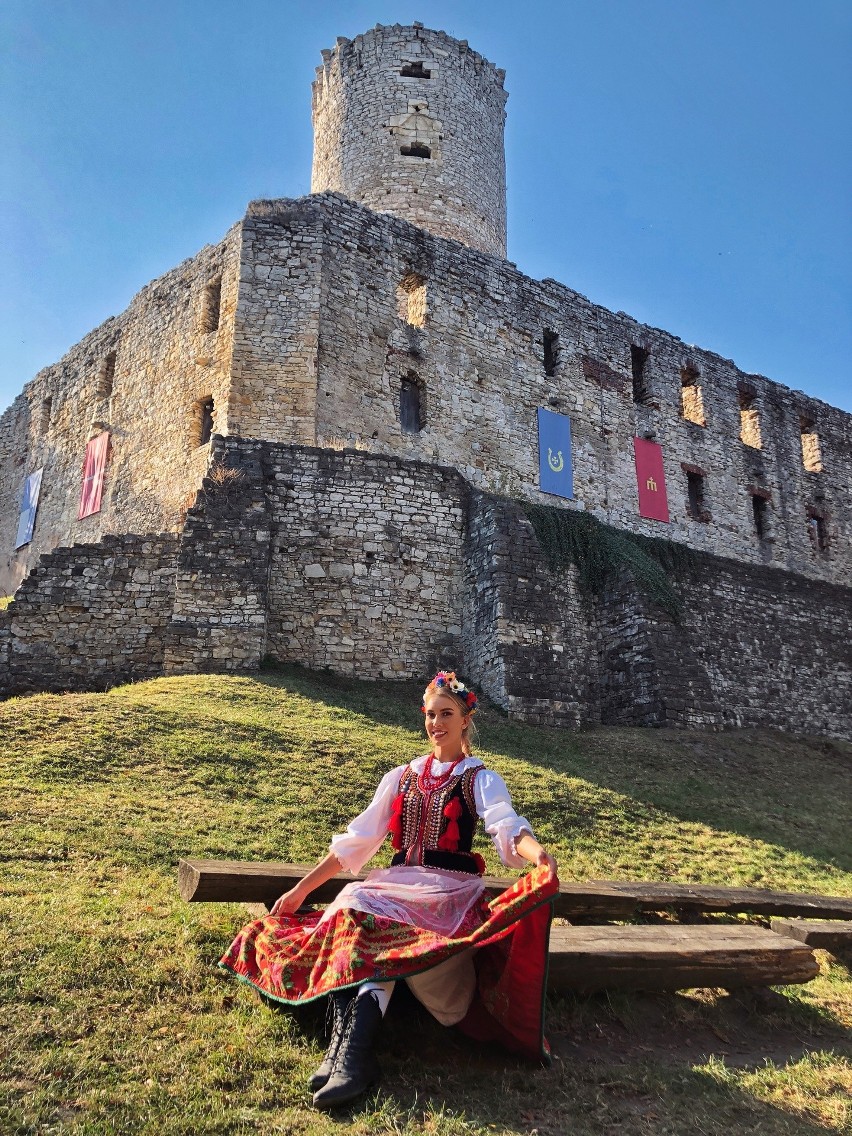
point(554, 454)
point(29, 508)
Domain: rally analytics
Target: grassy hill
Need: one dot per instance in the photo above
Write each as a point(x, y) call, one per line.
point(115, 1018)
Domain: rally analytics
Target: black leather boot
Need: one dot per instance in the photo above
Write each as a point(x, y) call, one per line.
point(355, 1067)
point(338, 1004)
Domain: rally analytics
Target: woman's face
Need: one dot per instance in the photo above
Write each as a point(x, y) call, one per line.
point(445, 724)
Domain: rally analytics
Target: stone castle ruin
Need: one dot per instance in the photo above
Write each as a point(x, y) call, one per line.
point(317, 441)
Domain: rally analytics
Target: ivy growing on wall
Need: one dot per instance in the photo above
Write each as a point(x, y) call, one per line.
point(598, 551)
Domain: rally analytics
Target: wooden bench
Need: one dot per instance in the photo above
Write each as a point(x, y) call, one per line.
point(829, 935)
point(585, 958)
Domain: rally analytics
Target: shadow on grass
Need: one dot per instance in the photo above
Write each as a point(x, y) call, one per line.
point(638, 1063)
point(752, 783)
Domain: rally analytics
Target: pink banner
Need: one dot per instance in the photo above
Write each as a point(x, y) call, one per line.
point(97, 451)
point(651, 480)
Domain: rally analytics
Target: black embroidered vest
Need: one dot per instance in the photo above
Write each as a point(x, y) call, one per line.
point(436, 829)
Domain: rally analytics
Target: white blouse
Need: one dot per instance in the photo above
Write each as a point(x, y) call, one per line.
point(367, 832)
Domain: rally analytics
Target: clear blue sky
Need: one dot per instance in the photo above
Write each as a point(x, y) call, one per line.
point(686, 161)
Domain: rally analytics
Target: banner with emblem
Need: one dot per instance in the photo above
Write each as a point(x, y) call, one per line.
point(29, 508)
point(651, 480)
point(554, 454)
point(97, 451)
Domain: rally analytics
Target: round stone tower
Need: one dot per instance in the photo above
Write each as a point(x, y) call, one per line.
point(410, 121)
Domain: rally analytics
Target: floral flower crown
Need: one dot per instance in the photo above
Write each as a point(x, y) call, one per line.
point(446, 680)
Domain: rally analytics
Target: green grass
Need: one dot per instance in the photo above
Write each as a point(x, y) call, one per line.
point(116, 1019)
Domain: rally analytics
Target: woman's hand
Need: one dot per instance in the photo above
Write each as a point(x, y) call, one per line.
point(544, 857)
point(527, 846)
point(290, 902)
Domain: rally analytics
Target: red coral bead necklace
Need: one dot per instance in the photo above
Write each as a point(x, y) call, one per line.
point(427, 782)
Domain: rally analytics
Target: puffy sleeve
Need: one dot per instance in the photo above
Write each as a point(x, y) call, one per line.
point(502, 823)
point(366, 833)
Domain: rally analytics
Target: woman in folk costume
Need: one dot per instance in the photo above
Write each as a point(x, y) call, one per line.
point(476, 964)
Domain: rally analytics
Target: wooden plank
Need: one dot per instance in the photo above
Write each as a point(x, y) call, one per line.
point(651, 896)
point(674, 958)
point(245, 881)
point(816, 933)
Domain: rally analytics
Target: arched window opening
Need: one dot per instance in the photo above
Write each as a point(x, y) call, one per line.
point(411, 409)
point(691, 399)
point(416, 150)
point(749, 418)
point(205, 420)
point(411, 299)
point(811, 450)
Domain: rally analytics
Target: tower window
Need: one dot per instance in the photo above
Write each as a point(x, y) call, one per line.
point(411, 299)
point(46, 413)
point(416, 150)
point(696, 499)
point(818, 532)
point(749, 418)
point(691, 399)
point(811, 450)
point(106, 376)
point(411, 416)
point(211, 305)
point(760, 512)
point(415, 70)
point(550, 342)
point(206, 421)
point(638, 359)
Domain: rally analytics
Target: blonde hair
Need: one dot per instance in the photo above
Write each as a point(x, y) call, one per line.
point(442, 686)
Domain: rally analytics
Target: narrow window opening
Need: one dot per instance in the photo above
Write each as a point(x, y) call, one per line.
point(638, 359)
point(760, 512)
point(416, 150)
point(411, 300)
point(46, 413)
point(811, 450)
point(818, 532)
point(695, 495)
point(415, 70)
point(211, 305)
point(206, 421)
point(691, 399)
point(106, 376)
point(550, 342)
point(411, 416)
point(749, 419)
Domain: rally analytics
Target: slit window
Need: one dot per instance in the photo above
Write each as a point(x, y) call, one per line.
point(411, 300)
point(818, 532)
point(415, 70)
point(638, 360)
point(211, 305)
point(691, 398)
point(411, 417)
point(106, 376)
point(749, 420)
point(46, 413)
point(696, 500)
point(550, 343)
point(206, 421)
point(416, 150)
point(811, 450)
point(760, 512)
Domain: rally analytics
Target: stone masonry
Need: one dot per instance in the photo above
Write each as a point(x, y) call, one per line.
point(373, 368)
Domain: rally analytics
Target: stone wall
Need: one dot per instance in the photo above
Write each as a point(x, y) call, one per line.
point(377, 567)
point(410, 121)
point(143, 376)
point(90, 616)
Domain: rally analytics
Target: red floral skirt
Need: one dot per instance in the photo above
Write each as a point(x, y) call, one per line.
point(296, 958)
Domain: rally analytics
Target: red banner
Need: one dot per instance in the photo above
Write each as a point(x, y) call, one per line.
point(94, 466)
point(651, 480)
